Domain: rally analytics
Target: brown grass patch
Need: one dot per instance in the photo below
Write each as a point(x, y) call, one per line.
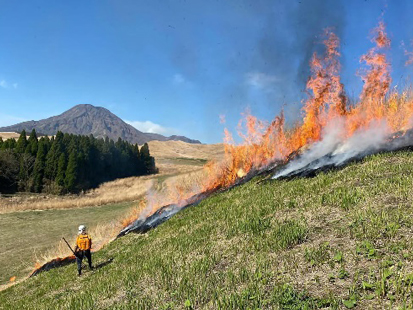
point(121, 190)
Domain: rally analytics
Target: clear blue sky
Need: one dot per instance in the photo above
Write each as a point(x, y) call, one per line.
point(175, 66)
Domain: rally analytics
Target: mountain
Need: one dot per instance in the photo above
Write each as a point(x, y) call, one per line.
point(86, 119)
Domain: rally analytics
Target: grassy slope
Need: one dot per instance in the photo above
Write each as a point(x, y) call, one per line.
point(340, 239)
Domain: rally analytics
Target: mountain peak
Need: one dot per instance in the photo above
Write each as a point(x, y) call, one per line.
point(86, 119)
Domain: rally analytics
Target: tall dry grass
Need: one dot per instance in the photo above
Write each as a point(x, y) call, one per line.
point(121, 190)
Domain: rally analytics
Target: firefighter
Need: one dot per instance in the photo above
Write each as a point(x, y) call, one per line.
point(82, 249)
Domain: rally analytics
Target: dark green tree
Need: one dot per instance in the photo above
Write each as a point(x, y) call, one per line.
point(32, 143)
point(52, 159)
point(61, 169)
point(21, 143)
point(72, 172)
point(9, 144)
point(39, 166)
point(9, 169)
point(26, 168)
point(147, 159)
point(138, 164)
point(48, 143)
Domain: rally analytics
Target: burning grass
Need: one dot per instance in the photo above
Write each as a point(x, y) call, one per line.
point(340, 238)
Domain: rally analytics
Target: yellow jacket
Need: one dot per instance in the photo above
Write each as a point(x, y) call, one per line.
point(83, 242)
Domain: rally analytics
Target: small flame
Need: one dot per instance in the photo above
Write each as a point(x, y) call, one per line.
point(12, 279)
point(241, 173)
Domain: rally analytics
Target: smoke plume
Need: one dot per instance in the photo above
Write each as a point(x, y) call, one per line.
point(334, 151)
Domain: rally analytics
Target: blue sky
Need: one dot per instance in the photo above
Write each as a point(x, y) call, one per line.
point(174, 67)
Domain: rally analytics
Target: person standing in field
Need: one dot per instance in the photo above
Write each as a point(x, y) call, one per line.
point(82, 248)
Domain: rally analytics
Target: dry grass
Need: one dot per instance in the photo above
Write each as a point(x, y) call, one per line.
point(121, 190)
point(8, 135)
point(179, 149)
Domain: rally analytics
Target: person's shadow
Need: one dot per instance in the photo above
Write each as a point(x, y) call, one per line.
point(101, 265)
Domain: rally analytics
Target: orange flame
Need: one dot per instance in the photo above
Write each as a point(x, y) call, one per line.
point(326, 93)
point(12, 279)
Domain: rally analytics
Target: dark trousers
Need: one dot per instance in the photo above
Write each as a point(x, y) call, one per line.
point(79, 257)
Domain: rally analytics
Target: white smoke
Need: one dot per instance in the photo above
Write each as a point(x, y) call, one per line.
point(151, 201)
point(333, 149)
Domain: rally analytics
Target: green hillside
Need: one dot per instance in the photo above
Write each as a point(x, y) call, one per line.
point(340, 240)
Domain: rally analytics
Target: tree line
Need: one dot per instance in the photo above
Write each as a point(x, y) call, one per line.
point(68, 163)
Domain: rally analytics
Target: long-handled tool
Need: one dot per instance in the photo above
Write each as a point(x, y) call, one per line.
point(69, 247)
point(74, 253)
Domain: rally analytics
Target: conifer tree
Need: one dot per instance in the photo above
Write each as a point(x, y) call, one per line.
point(147, 159)
point(138, 166)
point(48, 143)
point(71, 172)
point(52, 159)
point(1, 142)
point(26, 168)
point(9, 170)
point(21, 143)
point(32, 143)
point(39, 164)
point(9, 144)
point(61, 169)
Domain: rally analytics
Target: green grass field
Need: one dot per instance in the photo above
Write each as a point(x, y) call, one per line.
point(340, 240)
point(27, 234)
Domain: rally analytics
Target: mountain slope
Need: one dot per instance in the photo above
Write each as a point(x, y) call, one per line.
point(86, 119)
point(339, 240)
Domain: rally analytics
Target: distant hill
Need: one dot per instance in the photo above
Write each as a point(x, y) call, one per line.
point(86, 119)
